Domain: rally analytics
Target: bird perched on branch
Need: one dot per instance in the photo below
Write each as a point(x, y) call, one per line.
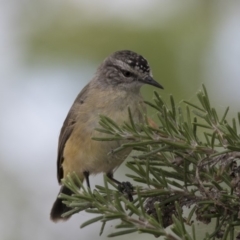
point(114, 88)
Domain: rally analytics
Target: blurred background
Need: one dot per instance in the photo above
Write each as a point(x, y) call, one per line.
point(49, 49)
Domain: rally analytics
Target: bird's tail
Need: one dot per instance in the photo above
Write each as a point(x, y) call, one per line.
point(59, 208)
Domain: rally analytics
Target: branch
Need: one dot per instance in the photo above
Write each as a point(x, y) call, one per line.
point(189, 158)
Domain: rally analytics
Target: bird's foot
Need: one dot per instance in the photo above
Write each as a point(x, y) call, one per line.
point(126, 188)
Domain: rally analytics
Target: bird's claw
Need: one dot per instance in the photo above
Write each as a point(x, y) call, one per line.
point(126, 188)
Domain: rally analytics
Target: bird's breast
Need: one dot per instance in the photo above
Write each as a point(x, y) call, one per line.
point(84, 153)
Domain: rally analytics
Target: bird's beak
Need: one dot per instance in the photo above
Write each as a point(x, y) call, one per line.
point(149, 80)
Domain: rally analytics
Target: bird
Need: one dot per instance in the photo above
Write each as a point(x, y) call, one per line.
point(113, 90)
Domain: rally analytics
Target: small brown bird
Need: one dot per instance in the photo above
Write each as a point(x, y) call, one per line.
point(114, 88)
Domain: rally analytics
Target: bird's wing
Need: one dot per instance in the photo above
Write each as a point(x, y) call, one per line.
point(67, 129)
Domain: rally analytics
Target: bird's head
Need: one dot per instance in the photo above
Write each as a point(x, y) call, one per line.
point(126, 70)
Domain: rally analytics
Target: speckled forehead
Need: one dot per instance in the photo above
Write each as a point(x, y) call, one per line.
point(138, 62)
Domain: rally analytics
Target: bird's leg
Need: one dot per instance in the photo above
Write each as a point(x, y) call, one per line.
point(123, 187)
point(110, 176)
point(86, 175)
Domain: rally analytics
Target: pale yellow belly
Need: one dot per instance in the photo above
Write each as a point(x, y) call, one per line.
point(92, 156)
point(81, 153)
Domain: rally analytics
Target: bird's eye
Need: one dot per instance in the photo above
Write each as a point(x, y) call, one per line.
point(126, 73)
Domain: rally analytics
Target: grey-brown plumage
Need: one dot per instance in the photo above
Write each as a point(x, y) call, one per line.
point(115, 87)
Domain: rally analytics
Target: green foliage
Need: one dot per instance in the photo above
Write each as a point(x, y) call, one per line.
point(189, 160)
